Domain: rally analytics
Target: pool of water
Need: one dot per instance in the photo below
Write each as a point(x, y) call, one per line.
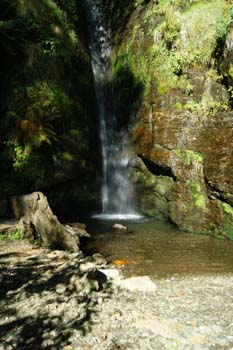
point(159, 250)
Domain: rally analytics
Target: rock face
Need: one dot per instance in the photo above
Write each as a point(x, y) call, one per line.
point(37, 221)
point(178, 86)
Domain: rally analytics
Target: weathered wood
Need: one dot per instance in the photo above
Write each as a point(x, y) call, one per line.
point(38, 222)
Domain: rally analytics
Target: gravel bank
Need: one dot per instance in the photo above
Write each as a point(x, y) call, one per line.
point(184, 313)
point(47, 304)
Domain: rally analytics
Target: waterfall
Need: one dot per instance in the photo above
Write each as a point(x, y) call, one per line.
point(117, 189)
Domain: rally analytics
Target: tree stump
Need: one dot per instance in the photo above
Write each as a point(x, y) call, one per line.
point(38, 222)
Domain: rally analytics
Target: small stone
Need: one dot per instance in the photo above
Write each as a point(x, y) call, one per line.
point(60, 289)
point(86, 267)
point(119, 227)
point(99, 259)
point(100, 300)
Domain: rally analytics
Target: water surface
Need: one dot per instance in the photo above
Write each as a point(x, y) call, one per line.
point(160, 250)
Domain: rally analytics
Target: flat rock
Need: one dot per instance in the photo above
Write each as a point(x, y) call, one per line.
point(140, 283)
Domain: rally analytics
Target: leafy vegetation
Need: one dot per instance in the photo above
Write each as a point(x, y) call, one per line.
point(12, 236)
point(179, 37)
point(46, 95)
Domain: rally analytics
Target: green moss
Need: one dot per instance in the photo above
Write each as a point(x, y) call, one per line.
point(172, 37)
point(163, 185)
point(188, 156)
point(195, 188)
point(227, 223)
point(228, 220)
point(228, 230)
point(228, 209)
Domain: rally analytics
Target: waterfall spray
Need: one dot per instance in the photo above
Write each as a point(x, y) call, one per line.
point(117, 189)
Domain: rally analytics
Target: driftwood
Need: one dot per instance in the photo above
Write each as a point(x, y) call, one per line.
point(38, 222)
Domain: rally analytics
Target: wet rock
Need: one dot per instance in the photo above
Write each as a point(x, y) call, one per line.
point(151, 191)
point(86, 267)
point(120, 227)
point(99, 260)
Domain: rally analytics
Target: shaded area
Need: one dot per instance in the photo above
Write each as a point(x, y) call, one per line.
point(157, 169)
point(128, 89)
point(46, 299)
point(118, 14)
point(48, 129)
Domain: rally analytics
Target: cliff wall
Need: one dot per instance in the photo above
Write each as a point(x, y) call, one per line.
point(173, 74)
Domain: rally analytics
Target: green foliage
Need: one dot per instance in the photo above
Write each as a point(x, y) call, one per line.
point(45, 95)
point(22, 157)
point(11, 29)
point(169, 29)
point(12, 236)
point(176, 63)
point(37, 109)
point(223, 23)
point(138, 3)
point(173, 39)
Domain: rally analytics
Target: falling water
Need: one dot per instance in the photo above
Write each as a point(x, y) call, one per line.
point(117, 190)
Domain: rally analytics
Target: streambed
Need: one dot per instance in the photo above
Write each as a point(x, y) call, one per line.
point(160, 250)
point(191, 309)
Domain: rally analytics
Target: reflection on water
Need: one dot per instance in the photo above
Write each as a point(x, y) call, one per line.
point(160, 250)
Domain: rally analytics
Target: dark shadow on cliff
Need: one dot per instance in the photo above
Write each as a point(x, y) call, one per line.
point(118, 13)
point(127, 91)
point(35, 296)
point(157, 169)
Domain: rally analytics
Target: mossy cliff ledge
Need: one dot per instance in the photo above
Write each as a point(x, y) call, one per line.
point(172, 68)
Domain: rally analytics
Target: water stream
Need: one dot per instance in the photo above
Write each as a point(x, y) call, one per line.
point(117, 190)
point(160, 250)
